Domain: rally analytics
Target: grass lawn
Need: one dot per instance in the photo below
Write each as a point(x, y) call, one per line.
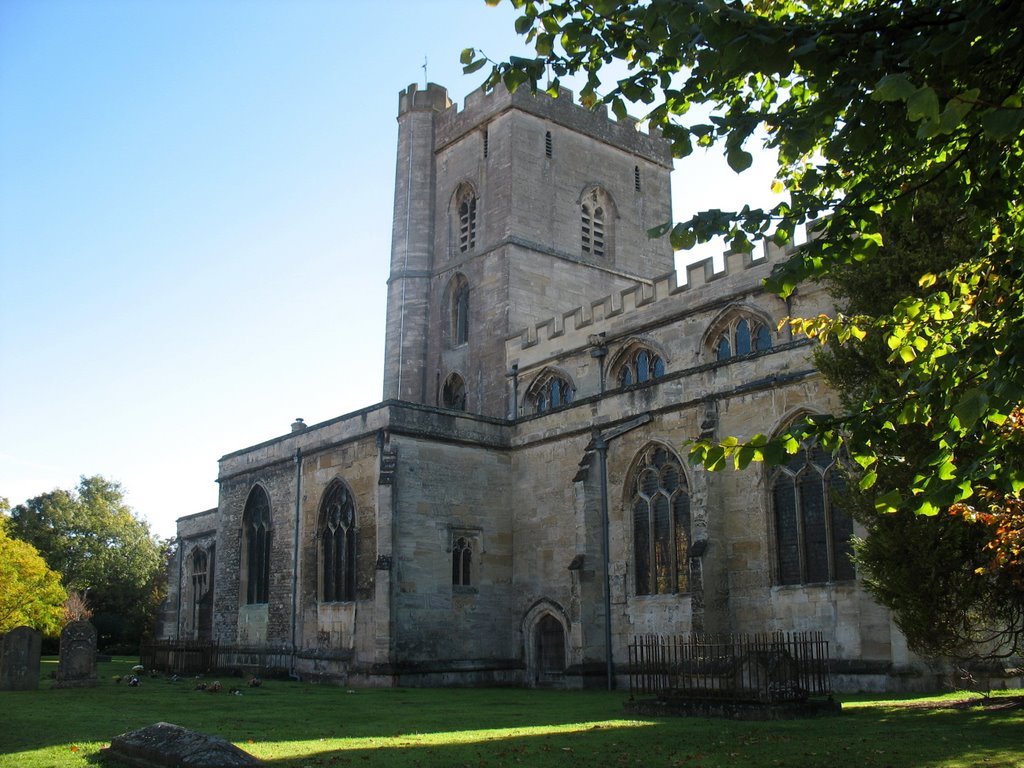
point(300, 724)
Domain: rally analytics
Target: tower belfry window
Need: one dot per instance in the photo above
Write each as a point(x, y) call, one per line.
point(636, 177)
point(485, 142)
point(463, 217)
point(593, 217)
point(547, 144)
point(467, 224)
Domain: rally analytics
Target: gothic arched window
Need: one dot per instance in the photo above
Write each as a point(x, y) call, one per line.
point(256, 547)
point(453, 394)
point(462, 562)
point(638, 365)
point(458, 310)
point(812, 532)
point(337, 536)
point(660, 506)
point(199, 572)
point(550, 391)
point(738, 336)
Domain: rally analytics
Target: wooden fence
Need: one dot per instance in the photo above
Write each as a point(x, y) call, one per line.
point(765, 668)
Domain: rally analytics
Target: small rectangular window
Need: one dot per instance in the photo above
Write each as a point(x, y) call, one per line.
point(636, 177)
point(547, 144)
point(485, 142)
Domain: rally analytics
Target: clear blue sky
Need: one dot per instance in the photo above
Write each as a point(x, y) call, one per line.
point(195, 224)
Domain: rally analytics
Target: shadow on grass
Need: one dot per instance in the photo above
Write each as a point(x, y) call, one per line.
point(300, 724)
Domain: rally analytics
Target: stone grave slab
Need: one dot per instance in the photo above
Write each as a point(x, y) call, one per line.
point(19, 659)
point(77, 665)
point(165, 745)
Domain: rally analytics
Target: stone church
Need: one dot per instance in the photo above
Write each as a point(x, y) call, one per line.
point(520, 506)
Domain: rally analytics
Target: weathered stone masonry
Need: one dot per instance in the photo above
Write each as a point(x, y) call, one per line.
point(537, 337)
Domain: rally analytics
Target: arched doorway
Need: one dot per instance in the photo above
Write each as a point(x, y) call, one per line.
point(549, 651)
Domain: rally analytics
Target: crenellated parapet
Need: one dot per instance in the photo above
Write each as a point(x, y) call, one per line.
point(742, 272)
point(483, 105)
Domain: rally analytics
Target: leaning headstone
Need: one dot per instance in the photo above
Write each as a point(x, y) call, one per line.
point(19, 659)
point(164, 744)
point(77, 665)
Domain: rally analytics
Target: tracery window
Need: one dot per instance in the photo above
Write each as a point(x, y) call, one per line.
point(741, 336)
point(453, 393)
point(812, 532)
point(549, 392)
point(595, 212)
point(462, 561)
point(458, 310)
point(337, 536)
point(256, 534)
point(660, 505)
point(639, 366)
point(199, 570)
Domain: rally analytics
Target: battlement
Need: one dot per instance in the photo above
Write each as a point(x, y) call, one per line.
point(483, 105)
point(743, 271)
point(433, 98)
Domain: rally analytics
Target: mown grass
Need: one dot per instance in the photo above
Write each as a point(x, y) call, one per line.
point(300, 724)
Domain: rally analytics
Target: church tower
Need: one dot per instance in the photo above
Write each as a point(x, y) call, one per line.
point(513, 210)
point(412, 244)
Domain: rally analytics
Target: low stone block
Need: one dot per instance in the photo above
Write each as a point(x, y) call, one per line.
point(164, 745)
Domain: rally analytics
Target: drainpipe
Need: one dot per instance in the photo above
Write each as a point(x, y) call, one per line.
point(599, 445)
point(515, 390)
point(601, 448)
point(295, 555)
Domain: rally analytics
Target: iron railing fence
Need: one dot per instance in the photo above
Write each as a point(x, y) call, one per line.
point(191, 657)
point(765, 668)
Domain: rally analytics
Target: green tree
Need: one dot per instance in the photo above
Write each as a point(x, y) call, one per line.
point(93, 539)
point(866, 103)
point(30, 592)
point(935, 572)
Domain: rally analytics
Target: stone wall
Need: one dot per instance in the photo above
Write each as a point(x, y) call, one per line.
point(480, 534)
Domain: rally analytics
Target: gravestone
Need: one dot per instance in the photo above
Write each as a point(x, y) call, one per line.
point(165, 744)
point(77, 666)
point(19, 659)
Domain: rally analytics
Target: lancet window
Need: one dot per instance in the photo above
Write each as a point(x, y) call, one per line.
point(458, 311)
point(453, 393)
point(256, 535)
point(462, 561)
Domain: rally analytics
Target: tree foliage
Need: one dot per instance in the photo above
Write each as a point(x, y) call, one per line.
point(950, 594)
point(866, 103)
point(93, 539)
point(30, 592)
